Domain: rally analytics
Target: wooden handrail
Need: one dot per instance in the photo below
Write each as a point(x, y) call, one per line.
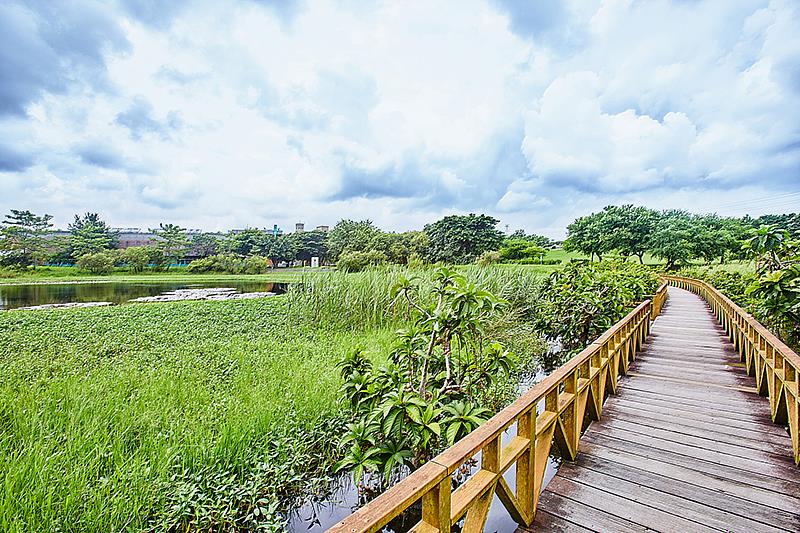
point(775, 366)
point(659, 298)
point(574, 390)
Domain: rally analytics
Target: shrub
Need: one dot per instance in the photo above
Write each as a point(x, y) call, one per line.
point(99, 262)
point(358, 261)
point(230, 264)
point(136, 258)
point(488, 258)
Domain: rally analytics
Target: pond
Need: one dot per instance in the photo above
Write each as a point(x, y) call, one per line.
point(14, 296)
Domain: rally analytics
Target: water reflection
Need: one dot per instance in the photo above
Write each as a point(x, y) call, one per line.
point(14, 296)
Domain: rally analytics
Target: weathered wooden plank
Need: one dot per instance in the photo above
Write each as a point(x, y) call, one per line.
point(769, 506)
point(686, 426)
point(748, 430)
point(556, 510)
point(623, 507)
point(724, 471)
point(725, 509)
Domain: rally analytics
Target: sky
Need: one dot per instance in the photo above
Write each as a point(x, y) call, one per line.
point(218, 115)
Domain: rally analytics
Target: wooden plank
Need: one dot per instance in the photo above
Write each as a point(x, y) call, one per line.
point(745, 430)
point(724, 471)
point(786, 508)
point(687, 426)
point(721, 510)
point(557, 509)
point(625, 508)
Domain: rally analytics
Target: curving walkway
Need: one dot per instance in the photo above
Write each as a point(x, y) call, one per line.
point(685, 445)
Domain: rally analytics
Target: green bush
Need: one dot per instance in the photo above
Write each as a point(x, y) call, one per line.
point(229, 264)
point(358, 261)
point(488, 258)
point(136, 257)
point(100, 262)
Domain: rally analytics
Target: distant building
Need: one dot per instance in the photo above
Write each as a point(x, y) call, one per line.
point(299, 227)
point(130, 237)
point(323, 229)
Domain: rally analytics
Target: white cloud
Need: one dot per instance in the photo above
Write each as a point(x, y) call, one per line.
point(231, 115)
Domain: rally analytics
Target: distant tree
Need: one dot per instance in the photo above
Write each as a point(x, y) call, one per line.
point(462, 238)
point(204, 245)
point(281, 249)
point(172, 242)
point(249, 242)
point(308, 244)
point(587, 235)
point(787, 221)
point(672, 239)
point(99, 262)
point(539, 240)
point(89, 235)
point(516, 249)
point(627, 229)
point(136, 257)
point(351, 236)
point(22, 238)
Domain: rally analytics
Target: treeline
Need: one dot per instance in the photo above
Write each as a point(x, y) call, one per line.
point(674, 236)
point(27, 239)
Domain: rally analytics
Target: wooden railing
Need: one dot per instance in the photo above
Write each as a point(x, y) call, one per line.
point(659, 298)
point(775, 366)
point(574, 391)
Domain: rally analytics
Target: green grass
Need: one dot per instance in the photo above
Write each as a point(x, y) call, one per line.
point(145, 417)
point(69, 274)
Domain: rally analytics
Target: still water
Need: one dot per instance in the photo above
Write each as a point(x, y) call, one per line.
point(13, 296)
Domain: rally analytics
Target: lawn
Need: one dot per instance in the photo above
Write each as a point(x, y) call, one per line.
point(176, 274)
point(146, 417)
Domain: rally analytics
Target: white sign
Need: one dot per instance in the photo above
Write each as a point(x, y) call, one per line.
point(315, 262)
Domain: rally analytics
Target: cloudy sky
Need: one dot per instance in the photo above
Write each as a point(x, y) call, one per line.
point(217, 114)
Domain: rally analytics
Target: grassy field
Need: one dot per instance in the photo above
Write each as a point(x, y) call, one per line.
point(145, 417)
point(195, 415)
point(179, 274)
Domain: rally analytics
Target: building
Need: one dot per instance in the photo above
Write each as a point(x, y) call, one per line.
point(130, 237)
point(299, 227)
point(324, 229)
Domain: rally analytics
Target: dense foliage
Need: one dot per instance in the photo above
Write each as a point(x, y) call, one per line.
point(23, 238)
point(462, 238)
point(584, 299)
point(230, 264)
point(442, 371)
point(675, 236)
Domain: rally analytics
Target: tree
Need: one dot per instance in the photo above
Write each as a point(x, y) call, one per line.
point(519, 249)
point(98, 262)
point(90, 235)
point(250, 241)
point(587, 236)
point(204, 245)
point(538, 240)
point(462, 238)
point(136, 257)
point(627, 229)
point(351, 236)
point(280, 249)
point(23, 240)
point(309, 244)
point(672, 239)
point(172, 242)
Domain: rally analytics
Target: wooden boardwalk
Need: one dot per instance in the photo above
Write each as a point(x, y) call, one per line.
point(686, 444)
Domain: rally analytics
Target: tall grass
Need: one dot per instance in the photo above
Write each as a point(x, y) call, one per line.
point(167, 416)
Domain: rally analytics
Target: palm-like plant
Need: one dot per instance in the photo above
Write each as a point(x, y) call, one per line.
point(461, 418)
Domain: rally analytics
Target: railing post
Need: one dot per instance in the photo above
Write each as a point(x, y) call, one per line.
point(436, 506)
point(526, 481)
